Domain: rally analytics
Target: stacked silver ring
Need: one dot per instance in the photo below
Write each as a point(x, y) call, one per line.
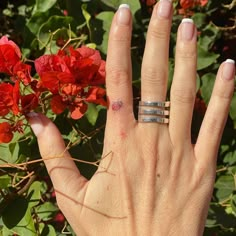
point(154, 112)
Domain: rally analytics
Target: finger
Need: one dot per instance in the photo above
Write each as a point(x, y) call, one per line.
point(216, 115)
point(63, 172)
point(183, 89)
point(155, 60)
point(118, 69)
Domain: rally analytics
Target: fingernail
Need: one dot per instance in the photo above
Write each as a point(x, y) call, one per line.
point(187, 29)
point(164, 8)
point(124, 15)
point(228, 71)
point(35, 123)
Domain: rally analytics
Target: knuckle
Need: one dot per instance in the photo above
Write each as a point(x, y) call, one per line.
point(213, 126)
point(154, 76)
point(158, 32)
point(183, 96)
point(117, 76)
point(187, 53)
point(122, 34)
point(223, 95)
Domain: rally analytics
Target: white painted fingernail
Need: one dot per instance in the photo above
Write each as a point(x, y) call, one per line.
point(187, 20)
point(187, 29)
point(124, 6)
point(123, 14)
point(228, 71)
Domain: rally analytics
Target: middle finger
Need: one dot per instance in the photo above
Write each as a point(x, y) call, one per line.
point(155, 59)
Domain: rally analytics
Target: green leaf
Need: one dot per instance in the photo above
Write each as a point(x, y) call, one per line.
point(17, 217)
point(36, 21)
point(217, 216)
point(233, 109)
point(230, 158)
point(53, 24)
point(224, 186)
point(233, 204)
point(199, 19)
point(43, 5)
point(9, 153)
point(205, 58)
point(46, 230)
point(92, 113)
point(100, 30)
point(5, 180)
point(34, 193)
point(208, 36)
point(86, 15)
point(208, 81)
point(46, 211)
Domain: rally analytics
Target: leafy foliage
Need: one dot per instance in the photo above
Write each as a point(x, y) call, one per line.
point(42, 27)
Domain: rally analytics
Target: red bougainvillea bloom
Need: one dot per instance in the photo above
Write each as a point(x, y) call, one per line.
point(96, 95)
point(84, 65)
point(9, 97)
point(185, 4)
point(73, 97)
point(203, 2)
point(29, 102)
point(9, 55)
point(21, 72)
point(6, 134)
point(5, 41)
point(18, 127)
point(10, 61)
point(72, 76)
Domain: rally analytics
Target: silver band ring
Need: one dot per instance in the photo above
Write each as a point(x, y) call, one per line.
point(154, 112)
point(154, 104)
point(153, 119)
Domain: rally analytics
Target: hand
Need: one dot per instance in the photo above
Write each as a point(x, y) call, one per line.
point(154, 181)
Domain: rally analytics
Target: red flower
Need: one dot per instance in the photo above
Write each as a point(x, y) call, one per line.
point(69, 77)
point(8, 58)
point(9, 98)
point(6, 134)
point(53, 80)
point(203, 2)
point(28, 103)
point(186, 4)
point(84, 65)
point(21, 72)
point(72, 97)
point(4, 41)
point(88, 67)
point(10, 63)
point(96, 95)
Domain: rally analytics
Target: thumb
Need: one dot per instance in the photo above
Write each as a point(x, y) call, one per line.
point(63, 172)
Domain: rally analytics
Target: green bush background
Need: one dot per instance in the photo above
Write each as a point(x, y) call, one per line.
point(27, 201)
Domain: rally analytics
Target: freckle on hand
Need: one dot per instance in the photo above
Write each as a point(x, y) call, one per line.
point(116, 105)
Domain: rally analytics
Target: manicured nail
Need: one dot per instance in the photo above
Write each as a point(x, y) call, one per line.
point(164, 8)
point(35, 122)
point(187, 29)
point(124, 15)
point(228, 71)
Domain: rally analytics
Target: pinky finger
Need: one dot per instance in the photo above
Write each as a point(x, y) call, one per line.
point(216, 115)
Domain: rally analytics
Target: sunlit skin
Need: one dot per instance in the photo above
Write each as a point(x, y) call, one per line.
point(151, 179)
